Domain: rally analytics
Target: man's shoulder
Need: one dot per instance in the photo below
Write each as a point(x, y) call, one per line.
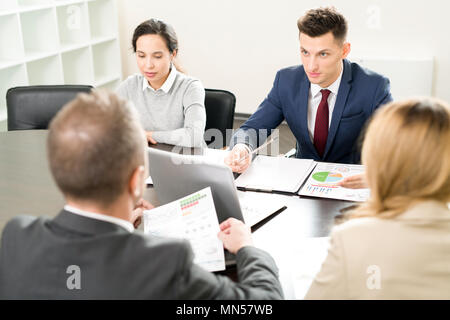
point(289, 76)
point(23, 222)
point(362, 73)
point(292, 70)
point(22, 227)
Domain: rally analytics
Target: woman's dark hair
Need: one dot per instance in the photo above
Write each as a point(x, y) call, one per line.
point(154, 26)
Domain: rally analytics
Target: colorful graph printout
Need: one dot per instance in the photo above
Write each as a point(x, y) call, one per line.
point(193, 218)
point(324, 179)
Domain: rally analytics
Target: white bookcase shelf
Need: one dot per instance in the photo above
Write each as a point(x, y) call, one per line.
point(104, 55)
point(77, 66)
point(44, 42)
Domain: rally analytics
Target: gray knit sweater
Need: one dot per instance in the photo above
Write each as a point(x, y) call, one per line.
point(175, 113)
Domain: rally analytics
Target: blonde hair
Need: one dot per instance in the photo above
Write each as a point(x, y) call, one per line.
point(406, 151)
point(93, 145)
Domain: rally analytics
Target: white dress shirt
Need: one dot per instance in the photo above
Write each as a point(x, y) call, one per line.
point(166, 85)
point(315, 96)
point(100, 216)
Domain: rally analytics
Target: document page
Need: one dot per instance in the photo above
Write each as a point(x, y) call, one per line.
point(275, 174)
point(256, 206)
point(193, 218)
point(323, 182)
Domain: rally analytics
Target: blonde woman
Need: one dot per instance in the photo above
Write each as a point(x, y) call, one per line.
point(397, 245)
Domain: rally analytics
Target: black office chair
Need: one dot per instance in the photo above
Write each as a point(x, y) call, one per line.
point(33, 107)
point(220, 105)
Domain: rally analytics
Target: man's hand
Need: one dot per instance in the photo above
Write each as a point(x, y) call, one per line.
point(239, 158)
point(357, 181)
point(149, 137)
point(141, 205)
point(235, 235)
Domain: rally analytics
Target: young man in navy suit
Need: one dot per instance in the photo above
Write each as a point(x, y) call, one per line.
point(325, 101)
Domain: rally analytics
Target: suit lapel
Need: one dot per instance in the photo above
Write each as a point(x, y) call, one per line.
point(339, 106)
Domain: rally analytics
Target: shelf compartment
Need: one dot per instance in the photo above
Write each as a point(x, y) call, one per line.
point(105, 57)
point(72, 25)
point(11, 48)
point(7, 6)
point(77, 67)
point(10, 77)
point(102, 18)
point(45, 71)
point(39, 32)
point(67, 2)
point(31, 5)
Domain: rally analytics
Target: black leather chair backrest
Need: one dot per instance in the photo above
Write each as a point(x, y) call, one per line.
point(220, 105)
point(33, 107)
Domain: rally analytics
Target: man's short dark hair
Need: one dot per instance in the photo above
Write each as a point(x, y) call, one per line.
point(94, 144)
point(317, 22)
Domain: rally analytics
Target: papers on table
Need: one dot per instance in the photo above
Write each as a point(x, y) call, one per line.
point(215, 155)
point(193, 218)
point(257, 206)
point(323, 182)
point(275, 174)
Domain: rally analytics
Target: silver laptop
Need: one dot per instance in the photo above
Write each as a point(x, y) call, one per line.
point(175, 176)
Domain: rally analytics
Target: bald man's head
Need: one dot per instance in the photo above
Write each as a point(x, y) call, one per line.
point(94, 144)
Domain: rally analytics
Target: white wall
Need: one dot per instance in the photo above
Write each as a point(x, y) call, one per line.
point(238, 45)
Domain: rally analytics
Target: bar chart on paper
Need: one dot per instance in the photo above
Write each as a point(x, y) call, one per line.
point(193, 218)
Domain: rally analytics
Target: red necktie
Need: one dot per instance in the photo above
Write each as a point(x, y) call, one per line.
point(321, 126)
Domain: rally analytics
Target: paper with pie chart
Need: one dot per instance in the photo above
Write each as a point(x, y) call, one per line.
point(324, 179)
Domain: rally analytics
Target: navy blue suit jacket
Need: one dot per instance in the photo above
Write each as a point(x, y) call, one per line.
point(361, 92)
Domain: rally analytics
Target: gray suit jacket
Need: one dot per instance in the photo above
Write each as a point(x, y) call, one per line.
point(50, 259)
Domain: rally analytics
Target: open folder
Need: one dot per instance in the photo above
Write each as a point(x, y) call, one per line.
point(304, 177)
point(275, 174)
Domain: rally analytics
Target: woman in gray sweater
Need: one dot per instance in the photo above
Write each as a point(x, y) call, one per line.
point(170, 103)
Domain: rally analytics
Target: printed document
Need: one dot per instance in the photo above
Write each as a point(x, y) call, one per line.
point(324, 178)
point(193, 218)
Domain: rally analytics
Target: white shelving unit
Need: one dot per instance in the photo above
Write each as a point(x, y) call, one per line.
point(44, 42)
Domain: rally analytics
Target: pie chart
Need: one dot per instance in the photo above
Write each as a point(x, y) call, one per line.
point(327, 177)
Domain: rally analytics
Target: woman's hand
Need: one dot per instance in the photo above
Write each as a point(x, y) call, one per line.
point(357, 181)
